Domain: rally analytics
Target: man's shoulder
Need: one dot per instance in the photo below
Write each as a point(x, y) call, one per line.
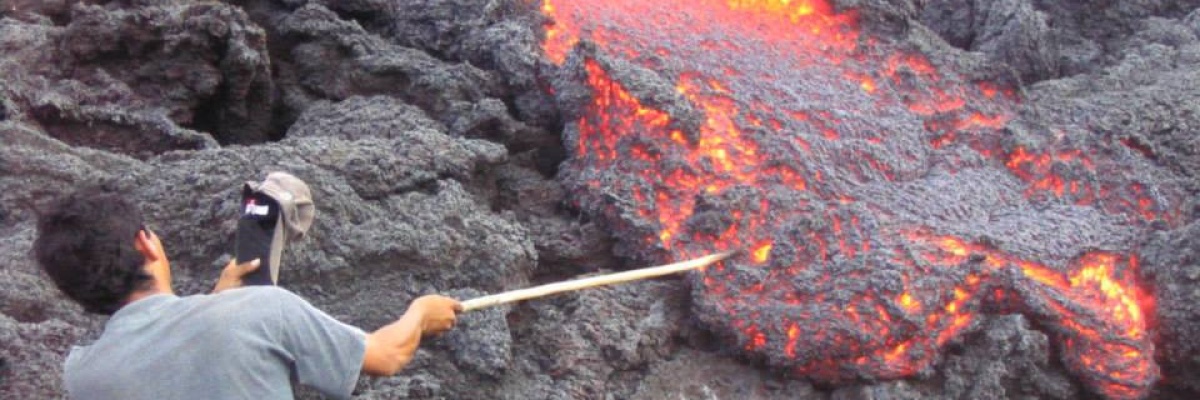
point(257, 293)
point(254, 302)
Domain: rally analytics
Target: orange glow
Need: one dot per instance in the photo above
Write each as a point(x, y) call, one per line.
point(988, 89)
point(954, 246)
point(868, 85)
point(978, 120)
point(794, 10)
point(1042, 275)
point(793, 334)
point(1121, 301)
point(909, 304)
point(762, 252)
point(1041, 171)
point(560, 37)
point(612, 96)
point(1099, 285)
point(897, 352)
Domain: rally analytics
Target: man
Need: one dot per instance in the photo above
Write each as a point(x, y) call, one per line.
point(237, 343)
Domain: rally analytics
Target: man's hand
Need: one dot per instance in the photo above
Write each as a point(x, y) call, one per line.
point(391, 347)
point(438, 313)
point(231, 276)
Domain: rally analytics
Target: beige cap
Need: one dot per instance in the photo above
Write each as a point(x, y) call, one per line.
point(294, 198)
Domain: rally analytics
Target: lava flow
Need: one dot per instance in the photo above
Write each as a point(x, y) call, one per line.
point(883, 206)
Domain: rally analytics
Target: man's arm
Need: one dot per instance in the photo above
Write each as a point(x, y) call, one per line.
point(391, 347)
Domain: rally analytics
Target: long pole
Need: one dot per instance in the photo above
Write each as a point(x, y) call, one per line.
point(583, 283)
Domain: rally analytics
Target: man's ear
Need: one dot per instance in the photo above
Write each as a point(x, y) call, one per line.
point(147, 244)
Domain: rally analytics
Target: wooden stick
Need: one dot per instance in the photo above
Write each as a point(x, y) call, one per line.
point(583, 283)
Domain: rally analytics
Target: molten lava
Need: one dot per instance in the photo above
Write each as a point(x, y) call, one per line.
point(881, 203)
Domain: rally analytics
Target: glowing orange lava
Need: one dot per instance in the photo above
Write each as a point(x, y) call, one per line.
point(791, 170)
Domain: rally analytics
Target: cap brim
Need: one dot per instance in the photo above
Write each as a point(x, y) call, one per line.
point(278, 241)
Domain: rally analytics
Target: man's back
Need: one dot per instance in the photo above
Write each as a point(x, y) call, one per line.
point(242, 343)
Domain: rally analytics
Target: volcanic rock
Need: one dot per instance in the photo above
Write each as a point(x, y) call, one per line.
point(1009, 31)
point(602, 336)
point(1173, 267)
point(143, 81)
point(446, 143)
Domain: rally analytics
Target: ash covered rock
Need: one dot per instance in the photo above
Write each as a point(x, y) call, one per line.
point(339, 58)
point(335, 50)
point(1146, 104)
point(406, 208)
point(1172, 260)
point(565, 245)
point(492, 35)
point(142, 80)
point(491, 119)
point(1005, 359)
point(1049, 39)
point(1010, 31)
point(361, 117)
point(1029, 231)
point(29, 352)
point(692, 374)
point(481, 341)
point(595, 343)
point(34, 167)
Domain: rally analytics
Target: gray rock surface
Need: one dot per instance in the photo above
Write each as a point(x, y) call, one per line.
point(1049, 39)
point(1008, 31)
point(141, 80)
point(597, 343)
point(1173, 266)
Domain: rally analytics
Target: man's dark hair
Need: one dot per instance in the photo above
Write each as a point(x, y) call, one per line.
point(85, 243)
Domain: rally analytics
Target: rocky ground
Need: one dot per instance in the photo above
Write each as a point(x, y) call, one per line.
point(430, 141)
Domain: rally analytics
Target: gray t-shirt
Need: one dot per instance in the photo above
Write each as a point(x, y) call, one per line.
point(245, 343)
